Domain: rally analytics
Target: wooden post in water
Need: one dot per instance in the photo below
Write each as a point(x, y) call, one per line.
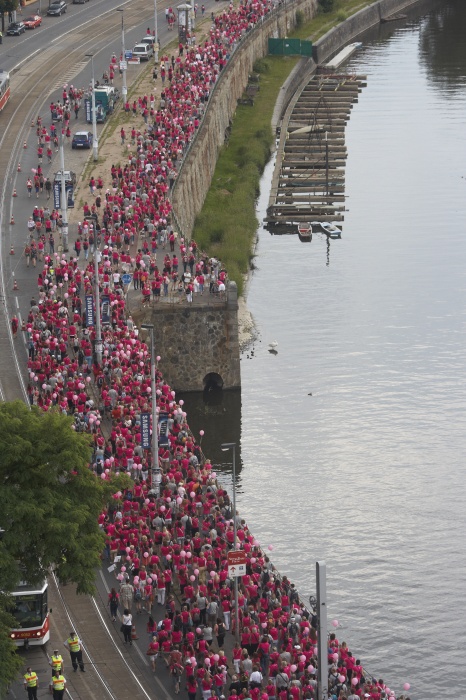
point(322, 641)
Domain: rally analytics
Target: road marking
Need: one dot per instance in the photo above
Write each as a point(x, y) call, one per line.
point(17, 302)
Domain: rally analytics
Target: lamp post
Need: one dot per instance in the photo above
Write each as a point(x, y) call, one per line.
point(225, 446)
point(95, 143)
point(98, 324)
point(124, 90)
point(156, 34)
point(64, 197)
point(155, 471)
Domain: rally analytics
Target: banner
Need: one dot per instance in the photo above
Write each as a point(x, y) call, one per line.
point(56, 195)
point(88, 111)
point(145, 431)
point(90, 323)
point(105, 309)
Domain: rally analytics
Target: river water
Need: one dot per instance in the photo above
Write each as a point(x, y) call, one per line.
point(368, 472)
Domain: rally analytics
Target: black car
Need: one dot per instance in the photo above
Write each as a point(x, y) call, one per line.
point(16, 28)
point(57, 8)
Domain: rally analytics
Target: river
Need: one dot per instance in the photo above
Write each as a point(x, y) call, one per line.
point(353, 435)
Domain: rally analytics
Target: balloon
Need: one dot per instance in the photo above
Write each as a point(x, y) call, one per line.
point(146, 501)
point(201, 433)
point(192, 578)
point(311, 669)
point(163, 509)
point(123, 568)
point(158, 358)
point(102, 476)
point(136, 579)
point(270, 547)
point(335, 623)
point(354, 681)
point(146, 555)
point(182, 554)
point(193, 658)
point(181, 402)
point(302, 658)
point(335, 657)
point(207, 662)
point(212, 574)
point(198, 630)
point(216, 657)
point(264, 625)
point(196, 572)
point(341, 678)
point(120, 577)
point(293, 668)
point(168, 557)
point(192, 494)
point(406, 686)
point(179, 500)
point(188, 555)
point(253, 560)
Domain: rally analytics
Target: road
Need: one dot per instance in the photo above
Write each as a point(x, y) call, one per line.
point(40, 62)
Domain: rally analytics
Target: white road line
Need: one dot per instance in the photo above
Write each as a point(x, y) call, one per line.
point(17, 302)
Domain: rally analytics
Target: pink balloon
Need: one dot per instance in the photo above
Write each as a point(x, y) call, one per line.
point(341, 678)
point(293, 668)
point(192, 578)
point(198, 630)
point(146, 555)
point(335, 623)
point(146, 501)
point(120, 577)
point(182, 554)
point(179, 500)
point(136, 579)
point(207, 662)
point(264, 625)
point(212, 574)
point(354, 681)
point(302, 658)
point(253, 560)
point(216, 657)
point(311, 669)
point(335, 657)
point(193, 660)
point(196, 572)
point(406, 686)
point(188, 555)
point(270, 547)
point(163, 509)
point(201, 433)
point(192, 494)
point(123, 568)
point(169, 556)
point(102, 476)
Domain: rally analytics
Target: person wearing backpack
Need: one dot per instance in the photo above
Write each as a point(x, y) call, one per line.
point(113, 599)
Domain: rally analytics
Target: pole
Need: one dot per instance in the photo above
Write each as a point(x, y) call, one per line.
point(98, 324)
point(234, 541)
point(156, 34)
point(124, 90)
point(155, 471)
point(63, 198)
point(322, 641)
point(95, 144)
point(224, 447)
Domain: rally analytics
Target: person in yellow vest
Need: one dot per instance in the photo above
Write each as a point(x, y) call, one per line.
point(57, 685)
point(73, 644)
point(31, 682)
point(56, 662)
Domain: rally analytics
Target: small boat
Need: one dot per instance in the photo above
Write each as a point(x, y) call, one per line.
point(393, 18)
point(330, 230)
point(305, 232)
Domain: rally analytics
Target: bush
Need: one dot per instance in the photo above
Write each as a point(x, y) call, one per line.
point(261, 66)
point(341, 16)
point(327, 5)
point(299, 19)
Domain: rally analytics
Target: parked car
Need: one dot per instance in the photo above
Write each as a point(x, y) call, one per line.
point(16, 28)
point(79, 2)
point(33, 21)
point(148, 39)
point(57, 8)
point(82, 139)
point(144, 51)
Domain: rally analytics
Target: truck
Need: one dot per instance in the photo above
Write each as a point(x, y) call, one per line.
point(107, 96)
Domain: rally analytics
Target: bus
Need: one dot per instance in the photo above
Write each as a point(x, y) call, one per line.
point(4, 88)
point(30, 610)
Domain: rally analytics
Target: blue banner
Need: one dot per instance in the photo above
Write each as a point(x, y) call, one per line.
point(145, 431)
point(90, 322)
point(105, 309)
point(56, 195)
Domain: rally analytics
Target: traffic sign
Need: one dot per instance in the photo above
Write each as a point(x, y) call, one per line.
point(126, 279)
point(134, 61)
point(128, 54)
point(236, 564)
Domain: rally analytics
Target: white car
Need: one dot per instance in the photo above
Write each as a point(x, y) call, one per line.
point(143, 51)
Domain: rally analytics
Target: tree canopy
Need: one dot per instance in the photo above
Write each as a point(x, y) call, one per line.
point(50, 503)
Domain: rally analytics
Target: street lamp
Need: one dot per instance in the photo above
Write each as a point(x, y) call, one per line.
point(64, 196)
point(156, 34)
point(124, 91)
point(225, 446)
point(95, 143)
point(155, 471)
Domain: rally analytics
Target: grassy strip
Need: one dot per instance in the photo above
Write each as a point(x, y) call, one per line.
point(227, 223)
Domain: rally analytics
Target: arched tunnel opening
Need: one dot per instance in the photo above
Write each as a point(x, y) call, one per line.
point(212, 382)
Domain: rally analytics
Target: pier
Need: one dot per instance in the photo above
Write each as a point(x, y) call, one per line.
point(309, 179)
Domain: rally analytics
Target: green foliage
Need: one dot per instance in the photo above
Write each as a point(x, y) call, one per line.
point(341, 16)
point(227, 223)
point(8, 5)
point(50, 504)
point(326, 5)
point(299, 19)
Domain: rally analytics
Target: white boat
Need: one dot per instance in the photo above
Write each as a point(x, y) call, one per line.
point(330, 230)
point(305, 231)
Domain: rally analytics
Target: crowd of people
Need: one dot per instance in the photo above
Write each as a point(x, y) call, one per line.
point(172, 542)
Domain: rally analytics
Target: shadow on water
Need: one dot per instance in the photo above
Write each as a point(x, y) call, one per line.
point(218, 414)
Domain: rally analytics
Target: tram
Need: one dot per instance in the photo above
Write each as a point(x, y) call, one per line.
point(30, 610)
point(4, 88)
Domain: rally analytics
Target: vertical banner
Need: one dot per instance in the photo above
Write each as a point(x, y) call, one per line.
point(88, 111)
point(90, 323)
point(56, 194)
point(105, 309)
point(145, 431)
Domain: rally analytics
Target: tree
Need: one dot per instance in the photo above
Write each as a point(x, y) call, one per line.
point(50, 503)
